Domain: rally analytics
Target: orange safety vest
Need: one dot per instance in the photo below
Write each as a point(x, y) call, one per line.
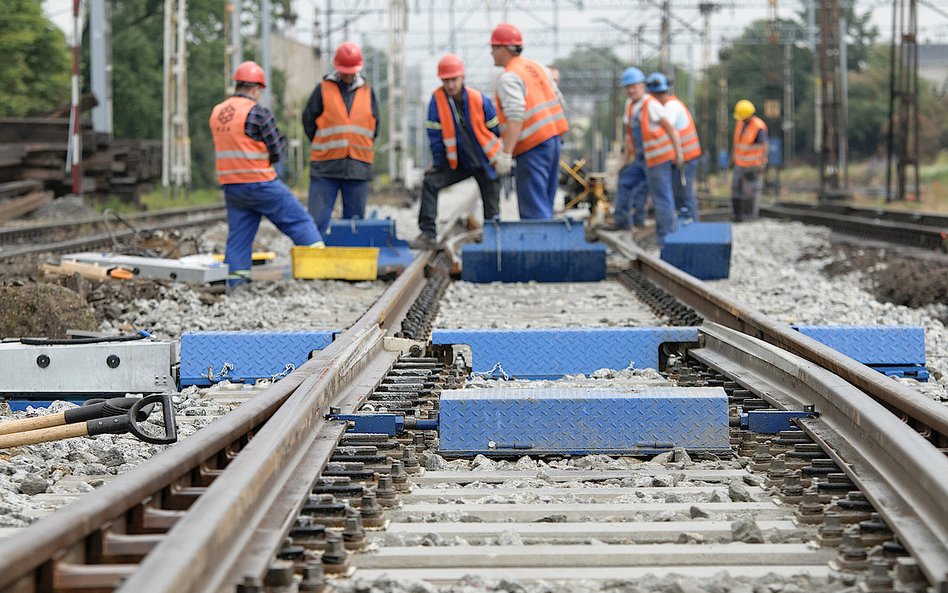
point(238, 157)
point(341, 133)
point(489, 143)
point(544, 117)
point(690, 146)
point(656, 142)
point(746, 152)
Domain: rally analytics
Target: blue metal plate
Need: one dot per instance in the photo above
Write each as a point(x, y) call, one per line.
point(250, 355)
point(872, 345)
point(541, 251)
point(702, 249)
point(552, 353)
point(583, 420)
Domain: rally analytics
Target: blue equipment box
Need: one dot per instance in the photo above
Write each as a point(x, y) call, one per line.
point(552, 353)
point(512, 421)
point(543, 251)
point(211, 357)
point(895, 350)
point(394, 253)
point(702, 249)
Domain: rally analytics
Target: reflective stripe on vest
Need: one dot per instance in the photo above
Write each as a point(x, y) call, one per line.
point(544, 117)
point(340, 133)
point(488, 142)
point(747, 153)
point(690, 146)
point(238, 158)
point(656, 142)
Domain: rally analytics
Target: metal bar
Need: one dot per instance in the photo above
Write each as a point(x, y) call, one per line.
point(895, 467)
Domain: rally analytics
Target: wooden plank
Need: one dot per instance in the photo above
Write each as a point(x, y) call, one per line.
point(12, 189)
point(28, 203)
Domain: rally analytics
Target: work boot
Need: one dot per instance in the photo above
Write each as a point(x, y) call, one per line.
point(425, 241)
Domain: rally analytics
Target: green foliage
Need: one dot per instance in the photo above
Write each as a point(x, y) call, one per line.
point(36, 63)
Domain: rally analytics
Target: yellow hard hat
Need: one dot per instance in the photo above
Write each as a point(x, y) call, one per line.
point(743, 109)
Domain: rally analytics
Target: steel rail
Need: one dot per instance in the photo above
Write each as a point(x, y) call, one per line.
point(52, 550)
point(93, 241)
point(902, 232)
point(929, 219)
point(922, 414)
point(900, 472)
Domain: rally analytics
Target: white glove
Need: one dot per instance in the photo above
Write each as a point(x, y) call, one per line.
point(503, 163)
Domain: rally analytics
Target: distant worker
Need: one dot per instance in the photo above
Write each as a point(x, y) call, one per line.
point(749, 157)
point(341, 120)
point(683, 180)
point(247, 143)
point(532, 120)
point(651, 147)
point(464, 137)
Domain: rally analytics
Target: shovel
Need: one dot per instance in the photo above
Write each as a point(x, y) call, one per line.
point(115, 424)
point(91, 409)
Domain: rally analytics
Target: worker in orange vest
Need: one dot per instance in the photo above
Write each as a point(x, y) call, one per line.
point(532, 119)
point(464, 137)
point(247, 143)
point(749, 158)
point(652, 146)
point(341, 121)
point(683, 180)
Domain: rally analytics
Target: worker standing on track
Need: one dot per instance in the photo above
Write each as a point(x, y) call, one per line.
point(247, 143)
point(532, 119)
point(683, 180)
point(749, 157)
point(341, 120)
point(651, 146)
point(464, 137)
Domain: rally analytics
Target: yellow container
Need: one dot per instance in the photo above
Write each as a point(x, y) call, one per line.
point(335, 263)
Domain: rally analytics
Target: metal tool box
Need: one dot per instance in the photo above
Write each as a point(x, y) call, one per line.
point(394, 253)
point(200, 269)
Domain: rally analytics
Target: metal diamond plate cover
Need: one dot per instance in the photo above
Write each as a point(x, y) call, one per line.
point(552, 353)
point(872, 345)
point(702, 249)
point(542, 251)
point(583, 420)
point(370, 232)
point(250, 355)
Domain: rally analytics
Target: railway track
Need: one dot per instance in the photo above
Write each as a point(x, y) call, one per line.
point(275, 497)
point(102, 231)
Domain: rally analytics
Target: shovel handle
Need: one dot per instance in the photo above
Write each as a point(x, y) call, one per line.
point(26, 424)
point(43, 435)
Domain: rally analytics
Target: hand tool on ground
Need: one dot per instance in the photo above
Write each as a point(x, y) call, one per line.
point(681, 176)
point(128, 422)
point(91, 409)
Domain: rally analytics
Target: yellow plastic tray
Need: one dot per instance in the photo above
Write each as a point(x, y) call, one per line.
point(335, 263)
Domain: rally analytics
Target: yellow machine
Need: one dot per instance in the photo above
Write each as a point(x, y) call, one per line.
point(584, 187)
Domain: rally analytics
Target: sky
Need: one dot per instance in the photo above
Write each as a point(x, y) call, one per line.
point(599, 23)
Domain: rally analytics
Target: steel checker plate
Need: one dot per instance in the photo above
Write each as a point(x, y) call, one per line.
point(873, 344)
point(254, 355)
point(583, 420)
point(552, 353)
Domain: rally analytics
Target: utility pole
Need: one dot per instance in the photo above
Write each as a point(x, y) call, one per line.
point(724, 55)
point(664, 52)
point(397, 114)
point(832, 152)
point(902, 144)
point(100, 54)
point(74, 152)
point(266, 97)
point(176, 142)
point(704, 133)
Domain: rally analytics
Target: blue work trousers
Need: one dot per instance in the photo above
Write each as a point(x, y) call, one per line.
point(537, 177)
point(658, 184)
point(631, 177)
point(322, 198)
point(246, 203)
point(686, 202)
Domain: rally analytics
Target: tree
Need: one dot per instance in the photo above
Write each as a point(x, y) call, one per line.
point(35, 72)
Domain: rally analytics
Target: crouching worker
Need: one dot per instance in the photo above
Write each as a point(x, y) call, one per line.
point(464, 138)
point(247, 143)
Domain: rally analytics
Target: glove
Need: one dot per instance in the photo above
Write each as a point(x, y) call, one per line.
point(503, 163)
point(318, 244)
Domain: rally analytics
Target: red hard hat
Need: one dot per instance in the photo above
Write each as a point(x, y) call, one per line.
point(250, 72)
point(348, 58)
point(450, 66)
point(506, 34)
